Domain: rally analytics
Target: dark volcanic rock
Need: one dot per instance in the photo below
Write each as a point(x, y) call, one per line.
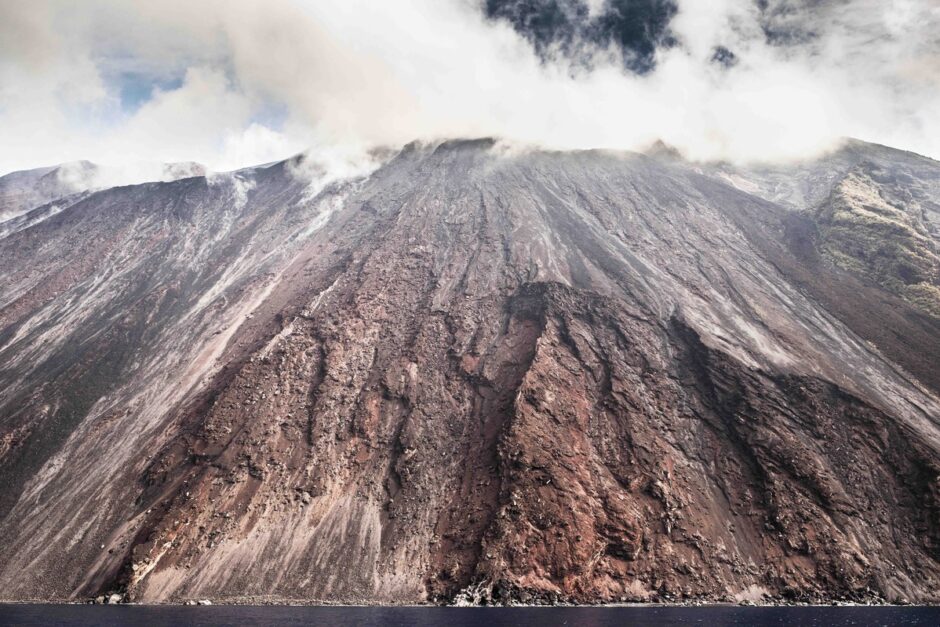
point(470, 375)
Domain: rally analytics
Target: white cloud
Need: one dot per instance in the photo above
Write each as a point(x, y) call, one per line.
point(360, 72)
point(255, 145)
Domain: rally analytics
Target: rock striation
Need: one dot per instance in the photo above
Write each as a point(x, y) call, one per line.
point(474, 375)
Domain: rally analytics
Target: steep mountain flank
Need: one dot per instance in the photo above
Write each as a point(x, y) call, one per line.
point(29, 196)
point(875, 212)
point(874, 226)
point(472, 374)
point(25, 190)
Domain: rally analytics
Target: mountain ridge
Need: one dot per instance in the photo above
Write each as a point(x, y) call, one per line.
point(570, 376)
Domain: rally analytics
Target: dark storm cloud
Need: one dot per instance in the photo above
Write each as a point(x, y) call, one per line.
point(238, 82)
point(792, 22)
point(634, 27)
point(724, 57)
point(577, 29)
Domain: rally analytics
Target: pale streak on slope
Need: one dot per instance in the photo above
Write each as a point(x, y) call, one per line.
point(778, 341)
point(143, 425)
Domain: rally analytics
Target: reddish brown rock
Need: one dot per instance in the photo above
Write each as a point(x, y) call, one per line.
point(588, 377)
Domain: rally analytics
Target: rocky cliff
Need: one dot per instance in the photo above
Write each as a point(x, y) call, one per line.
point(473, 374)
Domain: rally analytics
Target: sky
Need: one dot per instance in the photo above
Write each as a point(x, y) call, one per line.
point(233, 83)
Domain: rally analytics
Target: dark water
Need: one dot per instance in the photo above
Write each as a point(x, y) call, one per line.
point(464, 617)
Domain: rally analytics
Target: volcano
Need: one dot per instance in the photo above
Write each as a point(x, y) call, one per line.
point(477, 374)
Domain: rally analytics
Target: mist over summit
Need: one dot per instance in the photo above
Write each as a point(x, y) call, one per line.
point(233, 84)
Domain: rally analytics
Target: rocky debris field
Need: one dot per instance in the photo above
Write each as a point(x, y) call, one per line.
point(478, 376)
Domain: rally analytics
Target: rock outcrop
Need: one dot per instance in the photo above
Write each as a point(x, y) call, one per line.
point(470, 375)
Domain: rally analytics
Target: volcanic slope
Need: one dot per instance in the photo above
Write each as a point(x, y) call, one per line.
point(475, 373)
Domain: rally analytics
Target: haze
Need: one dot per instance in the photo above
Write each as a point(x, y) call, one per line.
point(236, 83)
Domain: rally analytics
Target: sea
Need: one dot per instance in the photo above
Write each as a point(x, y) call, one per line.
point(338, 616)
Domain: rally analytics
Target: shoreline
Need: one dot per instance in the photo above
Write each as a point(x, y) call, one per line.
point(254, 602)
